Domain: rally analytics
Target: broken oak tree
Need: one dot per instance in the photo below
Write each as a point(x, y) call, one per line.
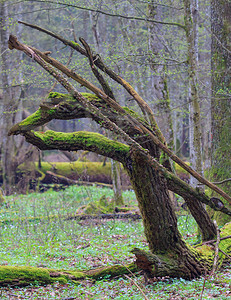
point(138, 148)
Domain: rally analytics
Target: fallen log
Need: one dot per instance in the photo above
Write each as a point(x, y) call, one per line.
point(133, 216)
point(17, 276)
point(67, 181)
point(116, 216)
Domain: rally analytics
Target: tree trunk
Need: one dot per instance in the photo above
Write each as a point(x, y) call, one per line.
point(160, 222)
point(160, 86)
point(116, 181)
point(8, 107)
point(221, 95)
point(195, 135)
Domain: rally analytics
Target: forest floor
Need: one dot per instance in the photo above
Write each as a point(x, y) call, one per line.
point(34, 233)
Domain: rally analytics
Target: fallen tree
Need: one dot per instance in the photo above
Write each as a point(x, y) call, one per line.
point(24, 276)
point(142, 150)
point(68, 173)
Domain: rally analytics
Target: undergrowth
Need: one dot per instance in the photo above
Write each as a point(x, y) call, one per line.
point(36, 232)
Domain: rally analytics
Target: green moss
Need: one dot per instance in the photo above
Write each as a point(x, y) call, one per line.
point(30, 273)
point(81, 138)
point(90, 96)
point(113, 271)
point(94, 208)
point(225, 245)
point(71, 169)
point(76, 45)
point(32, 119)
point(180, 170)
point(135, 115)
point(206, 253)
point(103, 206)
point(103, 201)
point(47, 109)
point(56, 95)
point(20, 276)
point(77, 275)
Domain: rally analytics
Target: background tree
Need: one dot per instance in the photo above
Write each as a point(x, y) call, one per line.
point(11, 104)
point(221, 94)
point(195, 135)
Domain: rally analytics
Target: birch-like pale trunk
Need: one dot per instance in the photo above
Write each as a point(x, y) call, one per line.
point(195, 135)
point(116, 181)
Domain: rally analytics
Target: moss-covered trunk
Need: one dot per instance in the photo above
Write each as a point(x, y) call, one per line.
point(160, 222)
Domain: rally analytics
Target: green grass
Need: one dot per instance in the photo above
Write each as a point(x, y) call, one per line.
point(34, 232)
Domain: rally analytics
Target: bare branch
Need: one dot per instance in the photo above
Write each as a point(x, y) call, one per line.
point(111, 14)
point(216, 257)
point(219, 182)
point(99, 63)
point(97, 74)
point(214, 241)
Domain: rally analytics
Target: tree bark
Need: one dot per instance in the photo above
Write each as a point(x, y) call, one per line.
point(116, 181)
point(160, 86)
point(150, 186)
point(8, 107)
point(195, 135)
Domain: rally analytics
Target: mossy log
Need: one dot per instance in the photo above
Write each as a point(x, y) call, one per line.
point(23, 276)
point(83, 171)
point(67, 181)
point(80, 172)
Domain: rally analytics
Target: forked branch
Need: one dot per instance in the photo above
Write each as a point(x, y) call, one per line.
point(100, 64)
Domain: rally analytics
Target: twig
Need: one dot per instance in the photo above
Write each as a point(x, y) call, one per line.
point(213, 241)
point(203, 288)
point(216, 257)
point(114, 15)
point(139, 288)
point(134, 275)
point(99, 77)
point(218, 182)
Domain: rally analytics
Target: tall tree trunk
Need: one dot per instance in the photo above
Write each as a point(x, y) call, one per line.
point(195, 135)
point(7, 146)
point(11, 107)
point(162, 105)
point(221, 95)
